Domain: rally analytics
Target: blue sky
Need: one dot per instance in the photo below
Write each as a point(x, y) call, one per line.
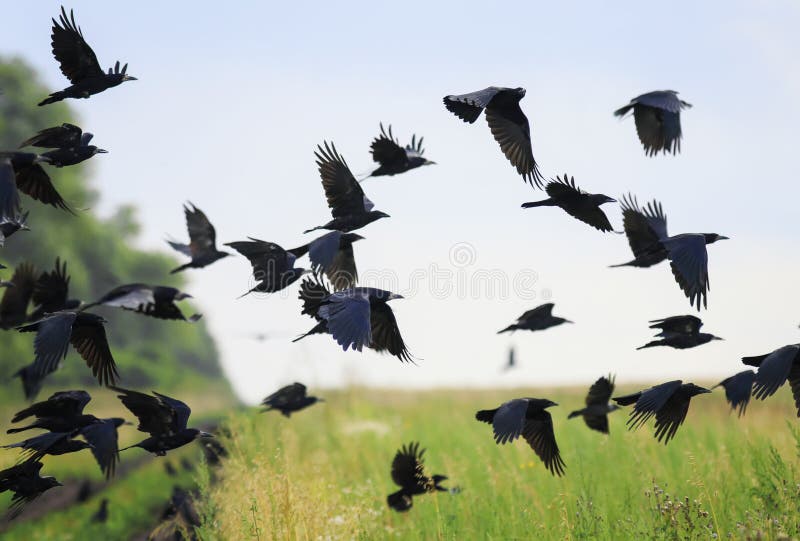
point(233, 98)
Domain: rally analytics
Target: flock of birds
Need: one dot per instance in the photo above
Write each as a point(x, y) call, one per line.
point(355, 317)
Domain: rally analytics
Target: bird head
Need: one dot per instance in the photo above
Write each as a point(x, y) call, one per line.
point(51, 482)
point(352, 237)
point(602, 198)
point(520, 92)
point(693, 389)
point(713, 237)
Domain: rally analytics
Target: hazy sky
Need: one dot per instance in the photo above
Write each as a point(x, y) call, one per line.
point(232, 99)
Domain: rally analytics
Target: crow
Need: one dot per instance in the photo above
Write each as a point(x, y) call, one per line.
point(512, 360)
point(349, 206)
point(10, 225)
point(273, 267)
point(101, 515)
point(31, 381)
point(529, 418)
point(51, 292)
point(154, 301)
point(579, 204)
point(79, 63)
point(392, 158)
point(14, 305)
point(61, 412)
point(536, 319)
point(332, 254)
point(289, 399)
point(658, 120)
point(408, 472)
point(355, 317)
point(162, 417)
point(738, 389)
point(23, 172)
point(69, 143)
point(50, 443)
point(25, 482)
point(669, 402)
point(508, 124)
point(595, 414)
point(679, 332)
point(646, 230)
point(773, 371)
point(202, 247)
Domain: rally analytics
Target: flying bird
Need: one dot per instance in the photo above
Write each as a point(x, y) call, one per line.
point(51, 292)
point(595, 414)
point(536, 319)
point(579, 204)
point(202, 247)
point(332, 254)
point(355, 317)
point(679, 332)
point(154, 301)
point(508, 124)
point(738, 389)
point(24, 481)
point(23, 172)
point(773, 371)
point(101, 515)
point(273, 267)
point(669, 402)
point(162, 417)
point(10, 225)
point(408, 472)
point(512, 360)
point(529, 418)
point(289, 399)
point(61, 412)
point(49, 443)
point(394, 159)
point(69, 144)
point(79, 63)
point(646, 230)
point(31, 381)
point(350, 208)
point(658, 120)
point(14, 305)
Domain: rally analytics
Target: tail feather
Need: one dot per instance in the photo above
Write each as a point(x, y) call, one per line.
point(53, 98)
point(20, 429)
point(576, 413)
point(313, 229)
point(487, 416)
point(510, 328)
point(628, 399)
point(622, 111)
point(544, 203)
point(182, 267)
point(652, 344)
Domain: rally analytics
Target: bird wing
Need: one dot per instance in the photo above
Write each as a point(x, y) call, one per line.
point(90, 341)
point(312, 293)
point(52, 288)
point(39, 445)
point(538, 432)
point(774, 370)
point(562, 187)
point(385, 332)
point(269, 260)
point(600, 392)
point(597, 422)
point(671, 416)
point(342, 271)
point(689, 262)
point(180, 411)
point(9, 195)
point(509, 420)
point(794, 382)
point(678, 324)
point(284, 396)
point(52, 340)
point(76, 58)
point(202, 235)
point(643, 227)
point(407, 466)
point(738, 389)
point(342, 190)
point(14, 306)
point(137, 297)
point(155, 417)
point(543, 310)
point(468, 107)
point(650, 402)
point(510, 129)
point(348, 317)
point(666, 100)
point(385, 149)
point(63, 136)
point(33, 181)
point(103, 438)
point(322, 251)
point(62, 403)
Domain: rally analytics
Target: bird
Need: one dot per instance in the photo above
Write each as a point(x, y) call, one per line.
point(23, 172)
point(69, 143)
point(394, 159)
point(508, 124)
point(79, 63)
point(26, 484)
point(738, 389)
point(51, 292)
point(154, 301)
point(85, 331)
point(512, 360)
point(536, 319)
point(162, 417)
point(289, 399)
point(61, 412)
point(355, 317)
point(14, 305)
point(408, 472)
point(49, 443)
point(646, 230)
point(579, 204)
point(595, 414)
point(679, 332)
point(101, 515)
point(658, 120)
point(103, 438)
point(529, 418)
point(332, 254)
point(350, 208)
point(10, 225)
point(202, 247)
point(273, 267)
point(31, 381)
point(773, 371)
point(669, 402)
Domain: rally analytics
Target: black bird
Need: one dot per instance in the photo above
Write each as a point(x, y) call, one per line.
point(14, 305)
point(658, 120)
point(79, 63)
point(355, 317)
point(49, 443)
point(87, 334)
point(51, 292)
point(773, 371)
point(408, 472)
point(579, 204)
point(349, 206)
point(202, 247)
point(332, 253)
point(647, 235)
point(23, 172)
point(512, 359)
point(536, 319)
point(69, 143)
point(101, 515)
point(273, 267)
point(508, 123)
point(61, 412)
point(738, 389)
point(392, 158)
point(9, 226)
point(104, 440)
point(154, 301)
point(31, 381)
point(679, 332)
point(529, 418)
point(669, 402)
point(169, 469)
point(162, 417)
point(289, 399)
point(25, 482)
point(595, 414)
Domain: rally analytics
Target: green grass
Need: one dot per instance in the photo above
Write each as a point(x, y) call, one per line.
point(324, 474)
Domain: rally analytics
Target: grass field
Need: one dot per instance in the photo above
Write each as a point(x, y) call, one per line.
point(324, 473)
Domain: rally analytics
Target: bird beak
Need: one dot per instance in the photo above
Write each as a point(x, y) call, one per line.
point(129, 78)
point(128, 423)
point(393, 296)
point(206, 435)
point(723, 237)
point(101, 151)
point(430, 162)
point(182, 296)
point(717, 338)
point(568, 321)
point(321, 400)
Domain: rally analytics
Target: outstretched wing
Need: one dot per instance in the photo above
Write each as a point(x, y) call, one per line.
point(468, 107)
point(689, 262)
point(52, 340)
point(202, 235)
point(509, 420)
point(385, 332)
point(538, 432)
point(102, 436)
point(63, 136)
point(510, 129)
point(678, 324)
point(649, 402)
point(774, 370)
point(342, 190)
point(155, 417)
point(385, 149)
point(89, 340)
point(600, 392)
point(76, 58)
point(644, 227)
point(348, 318)
point(407, 466)
point(284, 396)
point(738, 389)
point(51, 289)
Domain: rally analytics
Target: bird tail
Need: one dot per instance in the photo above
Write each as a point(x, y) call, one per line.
point(652, 344)
point(20, 429)
point(510, 328)
point(52, 98)
point(182, 267)
point(544, 203)
point(246, 293)
point(313, 229)
point(487, 416)
point(628, 264)
point(576, 413)
point(622, 111)
point(399, 501)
